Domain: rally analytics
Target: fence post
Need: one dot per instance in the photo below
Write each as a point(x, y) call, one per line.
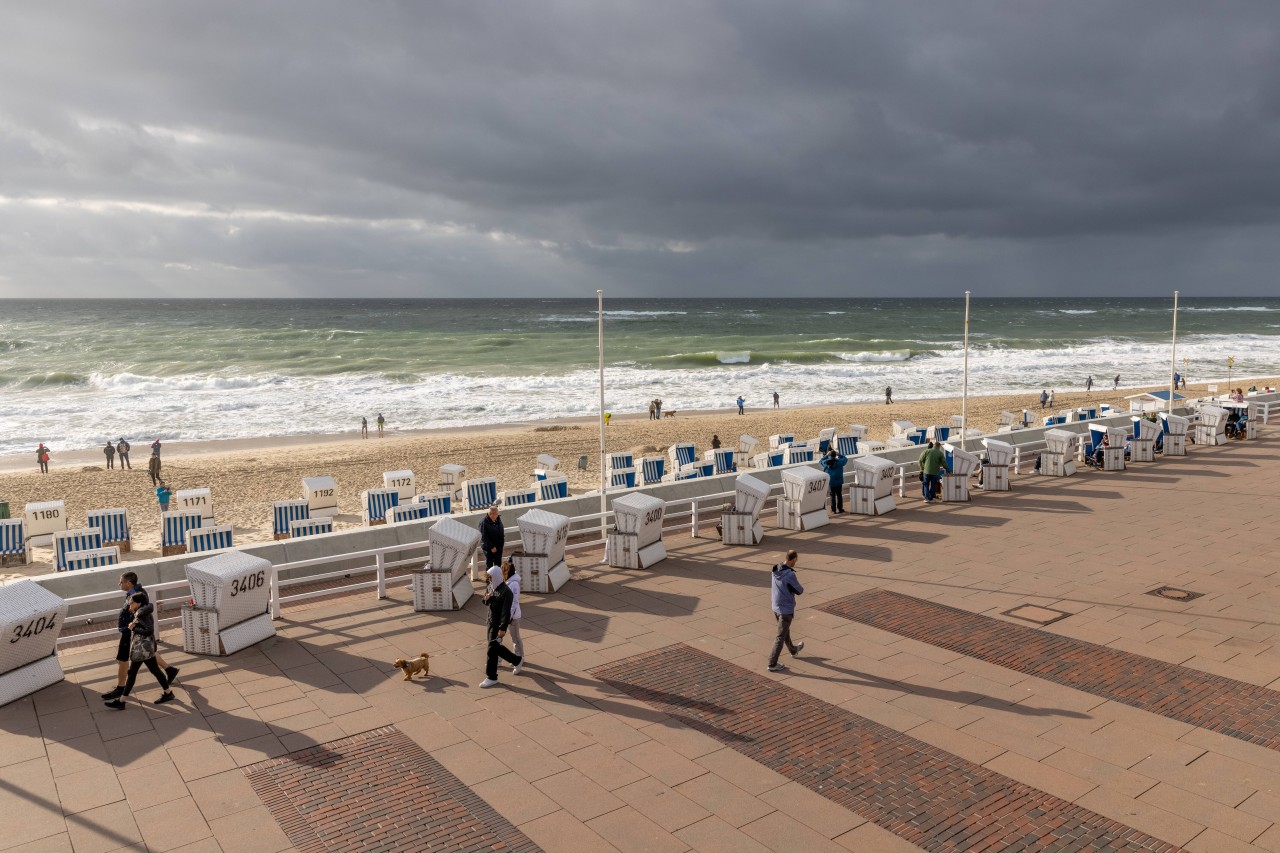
point(275, 593)
point(693, 525)
point(1017, 460)
point(381, 560)
point(902, 481)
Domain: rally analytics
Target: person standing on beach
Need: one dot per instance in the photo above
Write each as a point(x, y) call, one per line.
point(364, 427)
point(153, 467)
point(741, 402)
point(931, 461)
point(155, 447)
point(42, 458)
point(382, 422)
point(109, 450)
point(1051, 398)
point(888, 394)
point(658, 403)
point(163, 493)
point(1116, 387)
point(715, 442)
point(1044, 398)
point(785, 587)
point(492, 534)
point(122, 448)
point(775, 399)
point(833, 463)
point(499, 600)
point(1088, 383)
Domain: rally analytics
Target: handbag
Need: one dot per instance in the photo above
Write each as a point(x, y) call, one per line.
point(142, 647)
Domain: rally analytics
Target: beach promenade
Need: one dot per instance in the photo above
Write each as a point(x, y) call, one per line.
point(975, 676)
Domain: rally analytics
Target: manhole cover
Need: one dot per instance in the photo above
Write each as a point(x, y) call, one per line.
point(1174, 594)
point(1037, 614)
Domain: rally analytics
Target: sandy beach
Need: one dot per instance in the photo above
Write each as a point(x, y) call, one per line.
point(246, 476)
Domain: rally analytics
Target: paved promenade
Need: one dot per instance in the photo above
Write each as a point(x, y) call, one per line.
point(989, 676)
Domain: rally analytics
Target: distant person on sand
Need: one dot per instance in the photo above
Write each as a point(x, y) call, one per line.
point(715, 442)
point(382, 422)
point(653, 410)
point(364, 427)
point(888, 394)
point(1088, 383)
point(1044, 398)
point(155, 447)
point(741, 402)
point(1117, 385)
point(1051, 392)
point(109, 450)
point(122, 448)
point(163, 493)
point(658, 403)
point(775, 399)
point(42, 458)
point(607, 415)
point(153, 467)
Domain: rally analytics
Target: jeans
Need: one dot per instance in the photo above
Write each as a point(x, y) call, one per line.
point(837, 497)
point(783, 638)
point(152, 667)
point(931, 486)
point(492, 558)
point(124, 462)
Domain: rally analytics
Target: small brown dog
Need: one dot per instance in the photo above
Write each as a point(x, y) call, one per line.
point(419, 664)
point(669, 413)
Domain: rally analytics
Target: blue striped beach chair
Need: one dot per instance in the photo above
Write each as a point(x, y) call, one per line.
point(847, 445)
point(684, 453)
point(799, 453)
point(479, 494)
point(173, 530)
point(114, 524)
point(202, 539)
point(688, 472)
point(303, 527)
point(80, 539)
point(704, 468)
point(622, 478)
point(405, 513)
point(723, 461)
point(825, 437)
point(782, 439)
point(93, 559)
point(13, 541)
point(652, 468)
point(621, 460)
point(283, 512)
point(553, 487)
point(519, 497)
point(376, 502)
point(437, 503)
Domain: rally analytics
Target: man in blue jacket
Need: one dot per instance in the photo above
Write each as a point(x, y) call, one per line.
point(833, 463)
point(786, 586)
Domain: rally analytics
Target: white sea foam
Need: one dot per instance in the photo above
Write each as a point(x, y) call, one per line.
point(734, 357)
point(873, 357)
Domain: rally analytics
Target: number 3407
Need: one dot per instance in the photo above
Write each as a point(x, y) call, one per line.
point(34, 627)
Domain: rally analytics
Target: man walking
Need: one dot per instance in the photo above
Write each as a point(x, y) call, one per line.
point(492, 535)
point(382, 422)
point(833, 463)
point(786, 586)
point(123, 450)
point(499, 601)
point(109, 450)
point(1116, 386)
point(153, 467)
point(741, 402)
point(1044, 398)
point(1088, 383)
point(888, 394)
point(932, 460)
point(775, 399)
point(129, 585)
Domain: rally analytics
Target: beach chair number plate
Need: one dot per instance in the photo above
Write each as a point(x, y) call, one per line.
point(323, 493)
point(47, 513)
point(400, 481)
point(196, 501)
point(34, 627)
point(247, 583)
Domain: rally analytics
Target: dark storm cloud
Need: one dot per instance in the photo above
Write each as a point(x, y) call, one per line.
point(650, 148)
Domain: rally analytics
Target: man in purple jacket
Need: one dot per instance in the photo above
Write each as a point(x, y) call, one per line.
point(786, 586)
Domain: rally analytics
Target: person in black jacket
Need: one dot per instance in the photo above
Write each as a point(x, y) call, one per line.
point(499, 600)
point(491, 537)
point(129, 586)
point(142, 629)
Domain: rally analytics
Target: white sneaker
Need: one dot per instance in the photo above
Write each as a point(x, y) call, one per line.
point(518, 668)
point(489, 682)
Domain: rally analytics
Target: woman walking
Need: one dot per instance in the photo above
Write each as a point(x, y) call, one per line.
point(513, 584)
point(142, 651)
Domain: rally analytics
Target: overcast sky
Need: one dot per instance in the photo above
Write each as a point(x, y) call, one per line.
point(650, 148)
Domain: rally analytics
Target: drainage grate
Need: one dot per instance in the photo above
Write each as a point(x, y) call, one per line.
point(1174, 594)
point(1037, 614)
point(378, 791)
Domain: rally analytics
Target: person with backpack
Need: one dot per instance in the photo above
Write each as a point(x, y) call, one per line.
point(785, 587)
point(122, 450)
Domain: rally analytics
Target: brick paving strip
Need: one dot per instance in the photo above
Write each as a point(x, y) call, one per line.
point(1214, 702)
point(929, 797)
point(378, 791)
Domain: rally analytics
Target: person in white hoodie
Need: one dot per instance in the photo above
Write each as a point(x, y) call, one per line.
point(498, 598)
point(513, 583)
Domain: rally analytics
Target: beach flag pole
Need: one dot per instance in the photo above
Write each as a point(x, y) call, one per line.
point(964, 398)
point(1173, 358)
point(600, 347)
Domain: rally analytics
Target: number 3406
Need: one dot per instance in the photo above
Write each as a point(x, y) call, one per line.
point(248, 582)
point(34, 627)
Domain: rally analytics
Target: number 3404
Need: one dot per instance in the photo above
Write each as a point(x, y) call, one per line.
point(34, 627)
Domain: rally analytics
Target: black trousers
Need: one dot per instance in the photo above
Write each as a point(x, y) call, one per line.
point(837, 497)
point(497, 650)
point(152, 667)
